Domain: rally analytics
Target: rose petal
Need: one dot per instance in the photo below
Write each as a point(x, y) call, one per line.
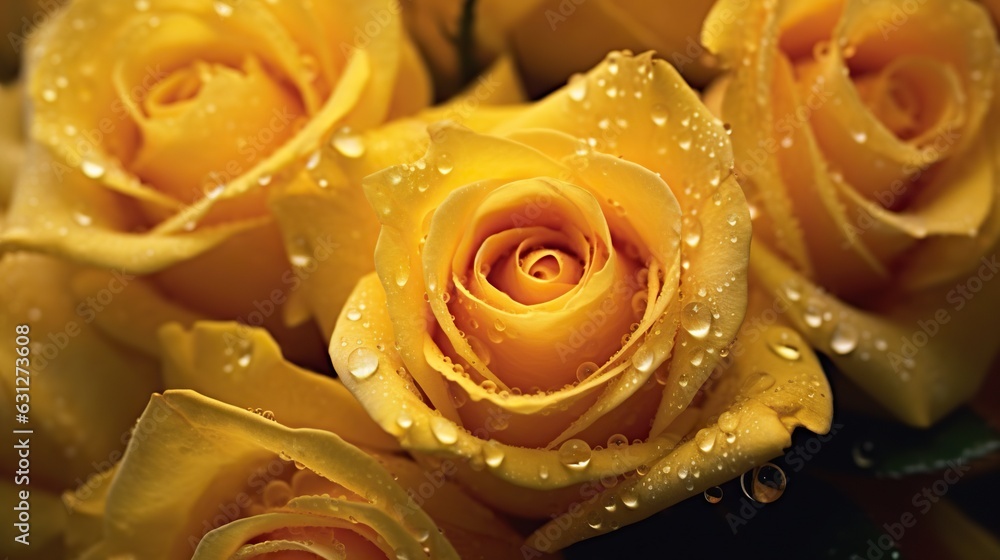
point(243, 366)
point(223, 445)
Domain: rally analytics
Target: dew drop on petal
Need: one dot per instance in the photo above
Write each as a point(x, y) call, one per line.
point(697, 356)
point(493, 453)
point(782, 344)
point(705, 439)
point(577, 87)
point(444, 430)
point(630, 497)
point(696, 319)
point(728, 422)
point(348, 143)
point(575, 454)
point(92, 170)
point(813, 316)
point(585, 370)
point(617, 441)
point(844, 339)
point(404, 420)
point(659, 114)
point(643, 359)
point(692, 231)
point(362, 363)
point(445, 164)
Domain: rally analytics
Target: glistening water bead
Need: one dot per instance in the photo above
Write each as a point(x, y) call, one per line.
point(696, 318)
point(362, 363)
point(575, 454)
point(767, 483)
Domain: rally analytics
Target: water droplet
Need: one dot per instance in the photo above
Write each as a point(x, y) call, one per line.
point(659, 114)
point(692, 231)
point(617, 441)
point(404, 420)
point(493, 453)
point(643, 359)
point(481, 350)
point(630, 497)
point(813, 316)
point(585, 370)
point(313, 161)
point(577, 87)
point(499, 325)
point(728, 421)
point(696, 319)
point(244, 360)
point(705, 439)
point(862, 454)
point(49, 95)
point(543, 472)
point(793, 291)
point(353, 314)
point(92, 169)
point(444, 430)
point(844, 339)
point(782, 344)
point(575, 454)
point(768, 483)
point(697, 356)
point(713, 495)
point(82, 219)
point(594, 520)
point(223, 9)
point(445, 164)
point(348, 143)
point(362, 363)
point(300, 260)
point(860, 136)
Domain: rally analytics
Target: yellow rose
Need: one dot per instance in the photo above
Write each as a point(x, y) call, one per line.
point(206, 480)
point(161, 128)
point(867, 135)
point(551, 39)
point(528, 309)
